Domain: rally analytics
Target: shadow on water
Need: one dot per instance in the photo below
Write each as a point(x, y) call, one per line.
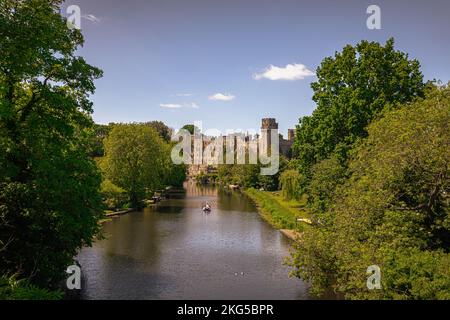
point(175, 251)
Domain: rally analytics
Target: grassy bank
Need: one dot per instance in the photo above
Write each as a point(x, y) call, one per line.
point(278, 212)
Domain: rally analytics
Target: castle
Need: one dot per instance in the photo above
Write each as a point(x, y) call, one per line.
point(269, 124)
point(267, 127)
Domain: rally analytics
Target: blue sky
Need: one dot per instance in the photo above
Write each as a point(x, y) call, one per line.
point(166, 60)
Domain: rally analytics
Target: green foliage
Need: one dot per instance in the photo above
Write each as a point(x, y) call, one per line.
point(275, 213)
point(326, 176)
point(138, 160)
point(100, 132)
point(249, 175)
point(49, 187)
point(392, 212)
point(268, 183)
point(135, 160)
point(353, 87)
point(209, 177)
point(113, 196)
point(163, 130)
point(176, 175)
point(225, 174)
point(291, 182)
point(191, 128)
point(12, 289)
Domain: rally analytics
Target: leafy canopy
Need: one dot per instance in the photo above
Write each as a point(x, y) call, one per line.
point(137, 160)
point(394, 210)
point(49, 199)
point(352, 88)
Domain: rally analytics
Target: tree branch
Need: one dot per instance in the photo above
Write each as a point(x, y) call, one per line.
point(10, 240)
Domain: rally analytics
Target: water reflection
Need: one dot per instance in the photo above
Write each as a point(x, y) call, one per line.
point(175, 251)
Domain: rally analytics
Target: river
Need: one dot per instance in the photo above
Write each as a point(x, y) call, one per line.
point(175, 251)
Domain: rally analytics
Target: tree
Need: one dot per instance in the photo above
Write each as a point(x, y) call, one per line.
point(352, 88)
point(49, 187)
point(250, 175)
point(100, 133)
point(326, 176)
point(136, 160)
point(113, 196)
point(224, 174)
point(13, 289)
point(176, 175)
point(163, 130)
point(191, 128)
point(394, 210)
point(291, 182)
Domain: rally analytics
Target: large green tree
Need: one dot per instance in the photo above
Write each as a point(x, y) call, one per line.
point(100, 132)
point(49, 187)
point(326, 176)
point(164, 131)
point(352, 88)
point(291, 182)
point(136, 160)
point(393, 212)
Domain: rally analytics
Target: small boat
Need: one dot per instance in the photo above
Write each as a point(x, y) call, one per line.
point(207, 208)
point(156, 199)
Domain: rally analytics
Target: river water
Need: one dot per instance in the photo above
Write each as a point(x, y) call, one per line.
point(175, 251)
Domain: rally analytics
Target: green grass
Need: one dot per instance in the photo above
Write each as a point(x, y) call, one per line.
point(282, 214)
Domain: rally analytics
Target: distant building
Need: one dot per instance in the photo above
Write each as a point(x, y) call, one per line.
point(269, 124)
point(291, 134)
point(208, 163)
point(267, 127)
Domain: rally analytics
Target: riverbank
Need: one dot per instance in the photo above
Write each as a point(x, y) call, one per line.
point(223, 247)
point(291, 234)
point(281, 214)
point(119, 213)
point(158, 197)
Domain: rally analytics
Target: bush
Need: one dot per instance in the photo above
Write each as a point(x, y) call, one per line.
point(114, 197)
point(12, 289)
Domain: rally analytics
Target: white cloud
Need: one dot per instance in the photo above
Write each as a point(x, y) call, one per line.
point(222, 97)
point(184, 94)
point(91, 17)
point(191, 105)
point(170, 106)
point(290, 72)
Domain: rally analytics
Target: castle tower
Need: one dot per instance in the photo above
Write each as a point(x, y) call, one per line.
point(268, 124)
point(291, 134)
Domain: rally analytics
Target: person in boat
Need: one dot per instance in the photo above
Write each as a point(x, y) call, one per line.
point(207, 207)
